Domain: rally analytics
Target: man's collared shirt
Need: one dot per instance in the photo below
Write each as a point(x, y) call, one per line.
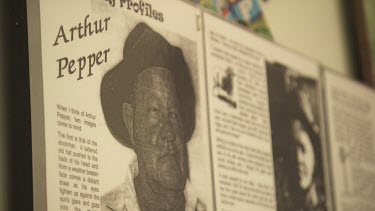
point(124, 198)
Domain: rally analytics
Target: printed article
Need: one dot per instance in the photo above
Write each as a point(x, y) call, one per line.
point(265, 123)
point(78, 175)
point(351, 115)
point(123, 106)
point(239, 120)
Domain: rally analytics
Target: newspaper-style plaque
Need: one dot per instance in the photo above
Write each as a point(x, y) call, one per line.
point(266, 125)
point(149, 105)
point(118, 120)
point(350, 119)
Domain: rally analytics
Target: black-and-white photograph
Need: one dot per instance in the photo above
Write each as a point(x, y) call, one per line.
point(149, 105)
point(224, 86)
point(296, 142)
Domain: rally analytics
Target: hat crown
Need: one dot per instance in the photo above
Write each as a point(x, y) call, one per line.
point(143, 49)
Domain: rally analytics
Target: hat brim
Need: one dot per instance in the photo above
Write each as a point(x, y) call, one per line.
point(113, 96)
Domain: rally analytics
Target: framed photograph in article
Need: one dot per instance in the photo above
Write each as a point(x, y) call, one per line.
point(296, 139)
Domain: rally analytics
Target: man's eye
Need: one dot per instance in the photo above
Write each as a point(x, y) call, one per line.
point(154, 110)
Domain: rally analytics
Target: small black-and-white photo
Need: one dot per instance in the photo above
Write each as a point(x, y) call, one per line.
point(296, 141)
point(224, 86)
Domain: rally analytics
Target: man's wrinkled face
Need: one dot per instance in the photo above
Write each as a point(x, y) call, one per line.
point(305, 155)
point(159, 136)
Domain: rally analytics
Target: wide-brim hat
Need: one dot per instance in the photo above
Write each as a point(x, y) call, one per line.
point(144, 48)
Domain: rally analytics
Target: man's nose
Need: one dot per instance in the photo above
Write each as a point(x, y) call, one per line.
point(167, 131)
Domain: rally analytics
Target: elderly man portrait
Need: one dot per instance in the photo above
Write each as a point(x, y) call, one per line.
point(148, 102)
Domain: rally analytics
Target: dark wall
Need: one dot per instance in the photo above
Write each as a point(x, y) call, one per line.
point(15, 127)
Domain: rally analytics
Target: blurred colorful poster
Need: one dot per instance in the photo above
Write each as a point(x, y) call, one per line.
point(246, 12)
